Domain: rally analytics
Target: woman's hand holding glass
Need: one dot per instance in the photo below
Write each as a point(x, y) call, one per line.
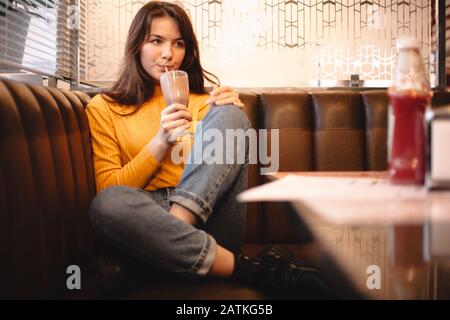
point(175, 120)
point(225, 95)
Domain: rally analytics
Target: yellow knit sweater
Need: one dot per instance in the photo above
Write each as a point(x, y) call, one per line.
point(119, 142)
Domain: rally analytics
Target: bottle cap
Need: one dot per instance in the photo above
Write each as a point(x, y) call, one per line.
point(407, 42)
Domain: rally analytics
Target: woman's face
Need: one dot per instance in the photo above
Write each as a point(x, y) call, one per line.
point(163, 48)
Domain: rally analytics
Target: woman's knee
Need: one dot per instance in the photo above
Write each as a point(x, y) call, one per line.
point(231, 116)
point(107, 205)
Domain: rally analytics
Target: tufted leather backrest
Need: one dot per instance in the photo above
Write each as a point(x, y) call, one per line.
point(375, 107)
point(290, 113)
point(47, 182)
point(339, 126)
point(253, 232)
point(330, 130)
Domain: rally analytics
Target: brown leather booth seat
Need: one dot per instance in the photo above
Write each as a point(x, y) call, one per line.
point(47, 180)
point(46, 184)
point(329, 130)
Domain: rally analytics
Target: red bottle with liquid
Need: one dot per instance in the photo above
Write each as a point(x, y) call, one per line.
point(409, 96)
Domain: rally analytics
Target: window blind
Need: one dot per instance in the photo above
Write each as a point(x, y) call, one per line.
point(40, 34)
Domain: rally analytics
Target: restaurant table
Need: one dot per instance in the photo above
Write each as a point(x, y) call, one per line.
point(375, 240)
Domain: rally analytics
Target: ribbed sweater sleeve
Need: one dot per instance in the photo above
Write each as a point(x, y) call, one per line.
point(108, 167)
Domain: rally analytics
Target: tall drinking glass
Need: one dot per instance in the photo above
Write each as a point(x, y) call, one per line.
point(175, 88)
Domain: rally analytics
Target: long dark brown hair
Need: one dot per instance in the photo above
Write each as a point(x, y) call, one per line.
point(134, 85)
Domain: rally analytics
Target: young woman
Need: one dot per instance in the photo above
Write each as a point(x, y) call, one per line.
point(180, 218)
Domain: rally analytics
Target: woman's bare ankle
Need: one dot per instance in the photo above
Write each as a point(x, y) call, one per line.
point(183, 214)
point(223, 265)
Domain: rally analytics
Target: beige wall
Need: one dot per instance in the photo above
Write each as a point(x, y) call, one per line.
point(256, 43)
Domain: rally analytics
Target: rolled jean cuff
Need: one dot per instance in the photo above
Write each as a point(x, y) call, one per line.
point(192, 202)
point(206, 259)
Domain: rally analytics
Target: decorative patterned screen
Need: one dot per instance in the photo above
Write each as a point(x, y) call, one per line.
point(255, 43)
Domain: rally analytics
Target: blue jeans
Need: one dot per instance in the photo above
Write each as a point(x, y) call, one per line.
point(137, 222)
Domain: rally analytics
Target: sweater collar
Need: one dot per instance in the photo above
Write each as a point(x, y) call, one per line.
point(158, 91)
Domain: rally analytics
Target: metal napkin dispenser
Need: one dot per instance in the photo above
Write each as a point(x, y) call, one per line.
point(438, 148)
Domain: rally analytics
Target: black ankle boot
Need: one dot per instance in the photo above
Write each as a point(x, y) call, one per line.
point(276, 271)
point(119, 276)
point(114, 280)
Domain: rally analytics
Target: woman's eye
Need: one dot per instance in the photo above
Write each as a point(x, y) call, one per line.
point(180, 44)
point(155, 41)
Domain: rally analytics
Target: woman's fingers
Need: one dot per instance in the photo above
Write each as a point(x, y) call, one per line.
point(169, 126)
point(183, 128)
point(219, 90)
point(239, 104)
point(230, 100)
point(181, 114)
point(224, 96)
point(175, 119)
point(174, 108)
point(177, 132)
